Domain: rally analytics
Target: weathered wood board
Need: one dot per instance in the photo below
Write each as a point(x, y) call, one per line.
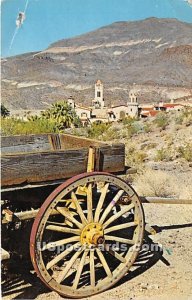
point(44, 142)
point(25, 143)
point(35, 166)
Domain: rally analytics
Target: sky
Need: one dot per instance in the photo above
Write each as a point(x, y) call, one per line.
point(48, 21)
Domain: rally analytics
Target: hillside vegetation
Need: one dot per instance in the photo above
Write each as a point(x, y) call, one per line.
point(160, 147)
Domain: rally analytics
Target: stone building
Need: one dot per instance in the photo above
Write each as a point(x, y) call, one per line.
point(84, 113)
point(98, 102)
point(71, 102)
point(100, 113)
point(117, 112)
point(132, 105)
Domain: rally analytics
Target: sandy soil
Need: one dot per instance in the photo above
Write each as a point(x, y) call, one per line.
point(156, 275)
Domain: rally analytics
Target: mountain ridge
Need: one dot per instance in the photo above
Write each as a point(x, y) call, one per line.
point(153, 54)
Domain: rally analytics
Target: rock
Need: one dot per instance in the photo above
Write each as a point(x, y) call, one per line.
point(153, 287)
point(143, 286)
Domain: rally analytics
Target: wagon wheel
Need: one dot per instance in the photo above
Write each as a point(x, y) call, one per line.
point(87, 234)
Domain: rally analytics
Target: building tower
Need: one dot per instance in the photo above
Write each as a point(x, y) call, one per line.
point(132, 105)
point(71, 102)
point(98, 102)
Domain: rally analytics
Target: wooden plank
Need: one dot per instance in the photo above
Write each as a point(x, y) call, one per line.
point(163, 200)
point(49, 166)
point(25, 143)
point(112, 158)
point(45, 166)
point(45, 142)
point(68, 141)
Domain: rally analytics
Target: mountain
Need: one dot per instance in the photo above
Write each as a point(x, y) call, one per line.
point(154, 55)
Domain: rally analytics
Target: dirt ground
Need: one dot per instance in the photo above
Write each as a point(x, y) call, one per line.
point(160, 275)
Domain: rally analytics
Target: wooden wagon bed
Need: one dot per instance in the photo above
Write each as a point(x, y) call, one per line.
point(36, 159)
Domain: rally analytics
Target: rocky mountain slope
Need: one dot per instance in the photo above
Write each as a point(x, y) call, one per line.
point(154, 54)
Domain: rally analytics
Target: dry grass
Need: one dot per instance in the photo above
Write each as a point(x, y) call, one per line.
point(134, 156)
point(156, 183)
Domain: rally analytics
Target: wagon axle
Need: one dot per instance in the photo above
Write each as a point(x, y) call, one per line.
point(92, 234)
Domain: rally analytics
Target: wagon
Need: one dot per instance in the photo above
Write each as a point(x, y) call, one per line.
point(88, 222)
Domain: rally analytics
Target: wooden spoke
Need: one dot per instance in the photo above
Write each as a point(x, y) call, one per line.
point(100, 202)
point(67, 214)
point(119, 214)
point(59, 257)
point(92, 267)
point(115, 254)
point(76, 266)
point(104, 263)
point(80, 269)
point(119, 239)
point(56, 223)
point(110, 206)
point(89, 203)
point(63, 229)
point(61, 242)
point(79, 209)
point(70, 263)
point(121, 226)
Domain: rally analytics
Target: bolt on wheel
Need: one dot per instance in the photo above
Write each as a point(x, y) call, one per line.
point(87, 234)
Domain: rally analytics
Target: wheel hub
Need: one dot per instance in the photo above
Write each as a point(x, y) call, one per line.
point(92, 234)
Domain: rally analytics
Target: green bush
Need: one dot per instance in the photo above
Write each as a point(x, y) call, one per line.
point(128, 120)
point(54, 119)
point(133, 128)
point(62, 114)
point(184, 117)
point(163, 154)
point(12, 126)
point(161, 120)
point(186, 152)
point(111, 134)
point(134, 156)
point(96, 130)
point(147, 128)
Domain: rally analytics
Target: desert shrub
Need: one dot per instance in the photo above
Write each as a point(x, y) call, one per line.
point(179, 119)
point(156, 183)
point(169, 138)
point(161, 120)
point(111, 134)
point(12, 126)
point(81, 131)
point(4, 111)
point(133, 128)
point(96, 129)
point(184, 117)
point(147, 128)
point(164, 154)
point(186, 152)
point(148, 146)
point(134, 156)
point(128, 120)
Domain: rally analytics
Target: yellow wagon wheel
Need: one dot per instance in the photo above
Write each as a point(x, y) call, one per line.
point(87, 234)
